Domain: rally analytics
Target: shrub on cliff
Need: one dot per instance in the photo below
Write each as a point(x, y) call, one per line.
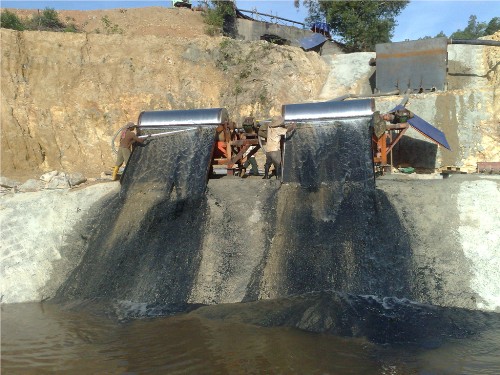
point(47, 20)
point(219, 17)
point(9, 20)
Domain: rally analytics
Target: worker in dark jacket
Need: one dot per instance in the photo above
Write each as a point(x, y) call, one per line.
point(127, 139)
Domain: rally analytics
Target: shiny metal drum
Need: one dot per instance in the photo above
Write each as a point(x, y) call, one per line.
point(328, 110)
point(192, 117)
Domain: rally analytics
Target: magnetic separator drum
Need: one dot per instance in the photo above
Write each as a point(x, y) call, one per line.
point(332, 142)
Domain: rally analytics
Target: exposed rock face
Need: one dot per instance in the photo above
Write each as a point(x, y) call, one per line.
point(64, 95)
point(43, 238)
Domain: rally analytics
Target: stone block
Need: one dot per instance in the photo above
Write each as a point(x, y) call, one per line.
point(76, 178)
point(8, 183)
point(30, 185)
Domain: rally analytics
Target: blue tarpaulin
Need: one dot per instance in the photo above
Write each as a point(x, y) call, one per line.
point(312, 41)
point(426, 129)
point(320, 27)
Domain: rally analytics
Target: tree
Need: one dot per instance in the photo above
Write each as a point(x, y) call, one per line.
point(9, 20)
point(473, 30)
point(476, 29)
point(220, 16)
point(361, 24)
point(493, 26)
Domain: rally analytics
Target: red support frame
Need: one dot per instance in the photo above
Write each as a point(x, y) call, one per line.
point(383, 145)
point(231, 146)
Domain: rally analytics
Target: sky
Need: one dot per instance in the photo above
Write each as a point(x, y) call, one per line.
point(420, 18)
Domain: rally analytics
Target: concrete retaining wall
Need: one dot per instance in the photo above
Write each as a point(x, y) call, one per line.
point(430, 241)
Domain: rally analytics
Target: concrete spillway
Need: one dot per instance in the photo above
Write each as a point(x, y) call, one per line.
point(170, 239)
point(146, 243)
point(165, 241)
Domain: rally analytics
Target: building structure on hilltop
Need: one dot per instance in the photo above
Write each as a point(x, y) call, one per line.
point(279, 30)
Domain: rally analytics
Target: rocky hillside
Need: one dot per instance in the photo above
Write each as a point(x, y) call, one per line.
point(64, 95)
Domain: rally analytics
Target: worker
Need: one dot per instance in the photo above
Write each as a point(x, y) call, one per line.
point(127, 139)
point(398, 116)
point(275, 130)
point(250, 131)
point(254, 171)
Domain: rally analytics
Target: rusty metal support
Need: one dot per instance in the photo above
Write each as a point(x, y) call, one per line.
point(231, 147)
point(384, 144)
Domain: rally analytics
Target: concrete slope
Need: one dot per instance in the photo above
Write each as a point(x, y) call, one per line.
point(349, 74)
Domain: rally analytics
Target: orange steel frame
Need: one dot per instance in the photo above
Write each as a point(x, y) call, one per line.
point(231, 150)
point(383, 146)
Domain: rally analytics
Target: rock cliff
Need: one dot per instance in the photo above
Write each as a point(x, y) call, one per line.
point(64, 95)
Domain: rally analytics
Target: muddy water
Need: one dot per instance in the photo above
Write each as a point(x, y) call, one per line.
point(44, 338)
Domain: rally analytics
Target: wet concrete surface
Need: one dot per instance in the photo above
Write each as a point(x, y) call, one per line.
point(170, 239)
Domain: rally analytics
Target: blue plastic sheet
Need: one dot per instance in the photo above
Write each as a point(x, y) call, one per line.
point(320, 27)
point(312, 41)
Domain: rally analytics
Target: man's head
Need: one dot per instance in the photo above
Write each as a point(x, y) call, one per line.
point(277, 121)
point(387, 117)
point(131, 125)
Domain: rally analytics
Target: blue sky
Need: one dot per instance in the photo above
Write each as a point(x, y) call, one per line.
point(420, 18)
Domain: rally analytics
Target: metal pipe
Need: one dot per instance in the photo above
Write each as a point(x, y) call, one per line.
point(352, 96)
point(406, 97)
point(113, 147)
point(478, 42)
point(270, 15)
point(340, 98)
point(155, 135)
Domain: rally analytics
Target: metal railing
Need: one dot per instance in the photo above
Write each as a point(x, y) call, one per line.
point(273, 19)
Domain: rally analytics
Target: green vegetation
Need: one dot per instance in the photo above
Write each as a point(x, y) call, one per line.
point(47, 20)
point(364, 23)
point(219, 16)
point(9, 20)
point(474, 29)
point(214, 21)
point(109, 27)
point(361, 24)
point(230, 54)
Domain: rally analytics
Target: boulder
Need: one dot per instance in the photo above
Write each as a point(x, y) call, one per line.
point(59, 182)
point(76, 178)
point(47, 177)
point(8, 183)
point(30, 185)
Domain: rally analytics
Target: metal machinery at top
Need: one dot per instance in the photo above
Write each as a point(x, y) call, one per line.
point(384, 138)
point(232, 144)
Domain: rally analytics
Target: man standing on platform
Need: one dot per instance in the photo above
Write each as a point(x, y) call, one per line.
point(127, 139)
point(275, 130)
